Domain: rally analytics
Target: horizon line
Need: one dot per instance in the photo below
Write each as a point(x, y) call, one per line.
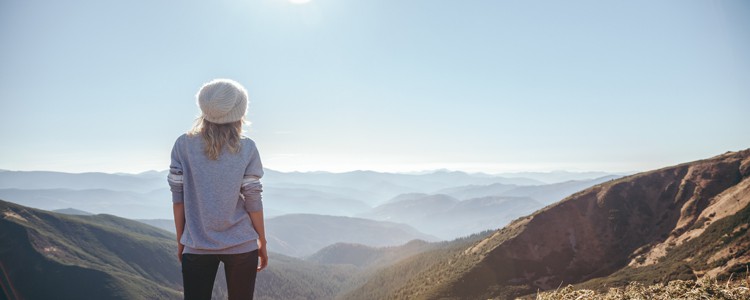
point(415, 172)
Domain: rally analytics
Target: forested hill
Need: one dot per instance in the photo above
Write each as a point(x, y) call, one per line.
point(46, 255)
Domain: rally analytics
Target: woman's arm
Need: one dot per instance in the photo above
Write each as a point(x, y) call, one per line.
point(252, 191)
point(257, 218)
point(179, 226)
point(174, 178)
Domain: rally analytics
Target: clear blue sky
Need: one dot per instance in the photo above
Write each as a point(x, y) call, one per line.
point(388, 85)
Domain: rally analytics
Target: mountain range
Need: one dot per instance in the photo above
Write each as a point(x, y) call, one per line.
point(680, 222)
point(481, 201)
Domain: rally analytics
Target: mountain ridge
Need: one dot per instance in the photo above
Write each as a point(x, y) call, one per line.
point(146, 195)
point(595, 233)
point(300, 235)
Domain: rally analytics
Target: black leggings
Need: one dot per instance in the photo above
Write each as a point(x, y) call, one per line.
point(199, 273)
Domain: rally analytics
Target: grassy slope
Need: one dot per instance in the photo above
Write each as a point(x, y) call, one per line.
point(47, 255)
point(367, 257)
point(397, 281)
point(481, 280)
point(291, 278)
point(693, 255)
point(676, 289)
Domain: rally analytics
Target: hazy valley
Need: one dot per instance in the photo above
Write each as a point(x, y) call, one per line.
point(477, 201)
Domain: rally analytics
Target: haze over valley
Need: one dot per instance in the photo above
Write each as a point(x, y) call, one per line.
point(440, 205)
point(607, 231)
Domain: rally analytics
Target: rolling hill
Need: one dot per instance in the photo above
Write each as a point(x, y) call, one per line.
point(448, 218)
point(300, 235)
point(363, 256)
point(291, 278)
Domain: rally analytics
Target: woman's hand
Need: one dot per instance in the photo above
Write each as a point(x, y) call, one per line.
point(180, 248)
point(179, 225)
point(262, 255)
point(256, 217)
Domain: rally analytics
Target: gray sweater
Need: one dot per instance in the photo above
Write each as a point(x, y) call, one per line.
point(217, 194)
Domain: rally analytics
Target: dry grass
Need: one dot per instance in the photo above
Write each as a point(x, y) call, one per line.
point(678, 289)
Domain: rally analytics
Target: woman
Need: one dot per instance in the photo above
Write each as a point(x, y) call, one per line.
point(214, 177)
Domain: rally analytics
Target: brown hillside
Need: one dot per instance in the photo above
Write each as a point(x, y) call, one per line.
point(633, 223)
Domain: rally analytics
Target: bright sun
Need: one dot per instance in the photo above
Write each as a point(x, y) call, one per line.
point(299, 1)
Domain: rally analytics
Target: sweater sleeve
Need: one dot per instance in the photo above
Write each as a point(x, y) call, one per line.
point(251, 187)
point(174, 178)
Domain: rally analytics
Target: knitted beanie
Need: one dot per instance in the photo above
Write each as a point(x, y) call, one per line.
point(222, 101)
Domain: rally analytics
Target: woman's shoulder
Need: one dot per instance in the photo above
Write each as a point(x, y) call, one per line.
point(246, 140)
point(180, 138)
point(185, 136)
point(188, 140)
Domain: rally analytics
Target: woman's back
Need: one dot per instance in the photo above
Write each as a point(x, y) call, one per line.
point(214, 208)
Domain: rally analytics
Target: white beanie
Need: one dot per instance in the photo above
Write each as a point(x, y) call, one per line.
point(222, 101)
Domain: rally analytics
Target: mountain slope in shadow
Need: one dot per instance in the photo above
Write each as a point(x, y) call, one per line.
point(46, 255)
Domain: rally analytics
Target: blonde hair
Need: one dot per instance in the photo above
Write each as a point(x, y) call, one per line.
point(217, 136)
